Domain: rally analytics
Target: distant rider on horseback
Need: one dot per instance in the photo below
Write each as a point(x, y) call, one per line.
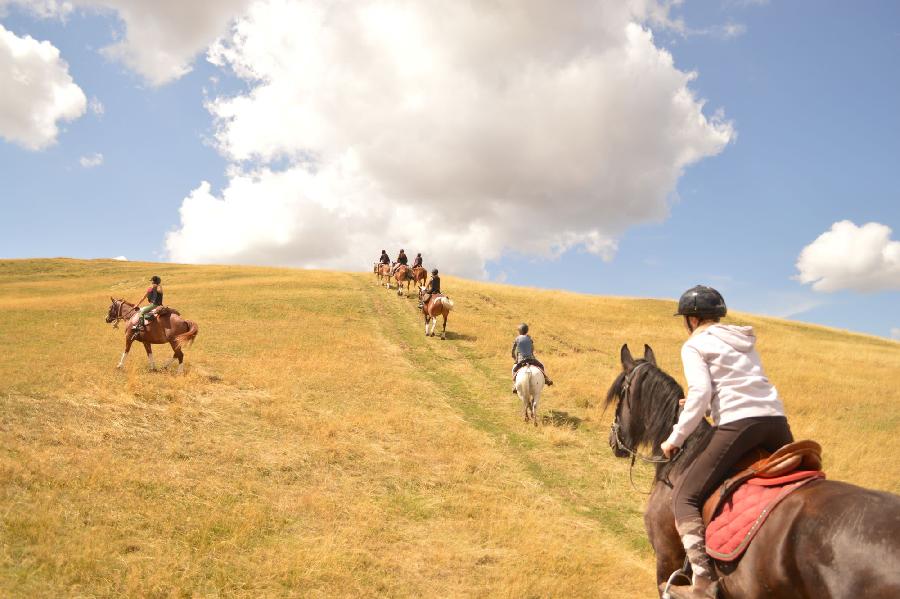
point(523, 353)
point(433, 288)
point(401, 259)
point(154, 297)
point(417, 261)
point(384, 259)
point(725, 378)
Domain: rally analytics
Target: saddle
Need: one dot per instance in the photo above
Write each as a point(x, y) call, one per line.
point(528, 362)
point(154, 313)
point(736, 510)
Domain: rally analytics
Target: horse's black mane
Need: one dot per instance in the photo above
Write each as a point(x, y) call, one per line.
point(654, 410)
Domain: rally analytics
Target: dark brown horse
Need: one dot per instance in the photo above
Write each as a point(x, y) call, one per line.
point(826, 540)
point(168, 327)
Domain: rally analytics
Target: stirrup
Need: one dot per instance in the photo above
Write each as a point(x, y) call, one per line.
point(681, 573)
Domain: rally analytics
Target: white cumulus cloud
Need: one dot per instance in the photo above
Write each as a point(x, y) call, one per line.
point(851, 257)
point(160, 38)
point(37, 91)
point(464, 130)
point(121, 258)
point(163, 37)
point(95, 159)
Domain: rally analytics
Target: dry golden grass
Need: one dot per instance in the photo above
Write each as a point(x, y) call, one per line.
point(318, 445)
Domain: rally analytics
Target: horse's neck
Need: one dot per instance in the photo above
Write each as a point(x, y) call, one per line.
point(127, 310)
point(670, 472)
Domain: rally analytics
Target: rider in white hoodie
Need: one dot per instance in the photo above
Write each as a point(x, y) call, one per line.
point(725, 379)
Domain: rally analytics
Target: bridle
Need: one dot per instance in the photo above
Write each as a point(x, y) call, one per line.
point(119, 305)
point(616, 427)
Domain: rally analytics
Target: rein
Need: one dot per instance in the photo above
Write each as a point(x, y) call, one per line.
point(119, 316)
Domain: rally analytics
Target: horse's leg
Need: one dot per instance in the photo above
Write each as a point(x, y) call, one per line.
point(180, 355)
point(174, 355)
point(444, 330)
point(426, 325)
point(149, 355)
point(128, 341)
point(523, 396)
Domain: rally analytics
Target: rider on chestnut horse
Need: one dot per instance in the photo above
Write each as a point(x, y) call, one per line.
point(417, 261)
point(523, 353)
point(154, 297)
point(384, 259)
point(724, 376)
point(433, 288)
point(401, 259)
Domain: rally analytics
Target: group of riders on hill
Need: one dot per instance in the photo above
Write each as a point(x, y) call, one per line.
point(433, 287)
point(725, 380)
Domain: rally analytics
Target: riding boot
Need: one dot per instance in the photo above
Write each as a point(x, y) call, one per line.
point(547, 380)
point(702, 588)
point(693, 537)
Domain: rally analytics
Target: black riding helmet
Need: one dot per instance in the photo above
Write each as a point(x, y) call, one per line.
point(155, 280)
point(523, 329)
point(434, 271)
point(703, 302)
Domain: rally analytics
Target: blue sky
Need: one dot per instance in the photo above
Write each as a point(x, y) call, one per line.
point(811, 89)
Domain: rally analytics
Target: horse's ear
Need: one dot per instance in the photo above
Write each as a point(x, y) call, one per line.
point(111, 299)
point(627, 360)
point(648, 354)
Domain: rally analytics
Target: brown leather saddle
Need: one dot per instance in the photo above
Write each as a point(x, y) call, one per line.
point(800, 455)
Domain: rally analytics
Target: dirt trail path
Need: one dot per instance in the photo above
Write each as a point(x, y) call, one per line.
point(574, 467)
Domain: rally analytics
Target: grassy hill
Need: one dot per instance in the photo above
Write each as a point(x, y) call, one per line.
point(319, 445)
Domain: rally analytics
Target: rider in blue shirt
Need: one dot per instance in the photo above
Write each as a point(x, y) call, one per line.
point(523, 353)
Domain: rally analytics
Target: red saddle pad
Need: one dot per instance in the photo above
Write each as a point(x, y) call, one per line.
point(739, 518)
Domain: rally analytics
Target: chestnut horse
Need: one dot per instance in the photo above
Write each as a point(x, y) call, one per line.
point(402, 275)
point(826, 540)
point(419, 275)
point(167, 328)
point(438, 305)
point(384, 275)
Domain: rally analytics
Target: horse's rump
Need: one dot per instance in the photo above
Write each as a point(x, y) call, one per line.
point(444, 301)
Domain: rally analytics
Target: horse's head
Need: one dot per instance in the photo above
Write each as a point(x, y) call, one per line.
point(114, 310)
point(421, 291)
point(646, 401)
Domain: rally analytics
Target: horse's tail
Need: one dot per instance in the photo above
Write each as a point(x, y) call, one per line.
point(185, 340)
point(446, 301)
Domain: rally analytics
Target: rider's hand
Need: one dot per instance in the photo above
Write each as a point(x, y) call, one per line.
point(669, 449)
